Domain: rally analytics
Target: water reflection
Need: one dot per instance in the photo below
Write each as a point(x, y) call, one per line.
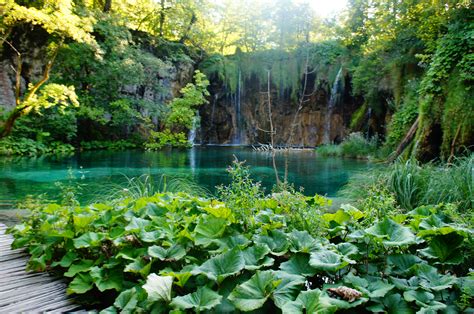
point(99, 170)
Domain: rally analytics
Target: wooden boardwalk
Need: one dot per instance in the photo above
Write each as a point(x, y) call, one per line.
point(23, 292)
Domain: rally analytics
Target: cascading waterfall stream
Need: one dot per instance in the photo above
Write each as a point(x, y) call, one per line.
point(333, 100)
point(238, 119)
point(192, 132)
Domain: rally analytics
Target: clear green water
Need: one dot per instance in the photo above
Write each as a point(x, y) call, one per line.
point(99, 171)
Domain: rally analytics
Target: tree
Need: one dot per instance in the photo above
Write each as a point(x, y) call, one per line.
point(58, 19)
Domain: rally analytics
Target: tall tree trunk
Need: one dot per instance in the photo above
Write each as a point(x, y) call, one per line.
point(7, 127)
point(188, 28)
point(107, 6)
point(406, 140)
point(22, 107)
point(162, 17)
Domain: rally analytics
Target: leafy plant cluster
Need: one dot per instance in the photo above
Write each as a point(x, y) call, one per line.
point(28, 147)
point(356, 145)
point(413, 184)
point(109, 145)
point(176, 252)
point(166, 138)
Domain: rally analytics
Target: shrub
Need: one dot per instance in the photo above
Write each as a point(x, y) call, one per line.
point(354, 146)
point(166, 138)
point(413, 184)
point(329, 150)
point(108, 145)
point(27, 147)
point(357, 146)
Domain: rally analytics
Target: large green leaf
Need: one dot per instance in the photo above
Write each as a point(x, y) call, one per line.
point(445, 248)
point(369, 286)
point(302, 241)
point(127, 300)
point(298, 265)
point(137, 224)
point(79, 267)
point(276, 241)
point(138, 266)
point(403, 263)
point(309, 302)
point(431, 279)
point(106, 279)
point(180, 277)
point(80, 284)
point(222, 266)
point(253, 293)
point(255, 257)
point(158, 288)
point(391, 233)
point(173, 253)
point(418, 296)
point(202, 299)
point(289, 286)
point(88, 239)
point(327, 260)
point(395, 304)
point(66, 260)
point(209, 229)
point(406, 284)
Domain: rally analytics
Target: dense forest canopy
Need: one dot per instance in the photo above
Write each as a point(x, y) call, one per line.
point(409, 65)
point(383, 80)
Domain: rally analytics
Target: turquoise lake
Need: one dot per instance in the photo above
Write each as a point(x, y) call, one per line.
point(100, 172)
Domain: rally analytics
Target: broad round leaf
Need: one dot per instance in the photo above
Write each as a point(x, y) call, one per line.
point(221, 266)
point(202, 299)
point(326, 260)
point(253, 293)
point(158, 288)
point(391, 233)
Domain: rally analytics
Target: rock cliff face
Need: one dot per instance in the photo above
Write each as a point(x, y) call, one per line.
point(32, 42)
point(244, 119)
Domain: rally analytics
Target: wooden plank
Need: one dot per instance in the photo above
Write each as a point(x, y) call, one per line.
point(16, 295)
point(29, 304)
point(22, 291)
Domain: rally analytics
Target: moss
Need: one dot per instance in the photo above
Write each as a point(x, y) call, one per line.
point(286, 67)
point(358, 117)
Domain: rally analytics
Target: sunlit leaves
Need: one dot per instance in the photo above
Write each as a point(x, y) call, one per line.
point(158, 288)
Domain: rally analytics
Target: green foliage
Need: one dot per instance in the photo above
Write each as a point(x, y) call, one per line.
point(166, 138)
point(57, 18)
point(109, 145)
point(354, 146)
point(286, 67)
point(182, 110)
point(27, 147)
point(177, 252)
point(403, 118)
point(413, 184)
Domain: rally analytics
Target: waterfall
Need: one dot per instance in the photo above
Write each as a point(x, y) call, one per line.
point(238, 118)
point(333, 100)
point(192, 132)
point(212, 129)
